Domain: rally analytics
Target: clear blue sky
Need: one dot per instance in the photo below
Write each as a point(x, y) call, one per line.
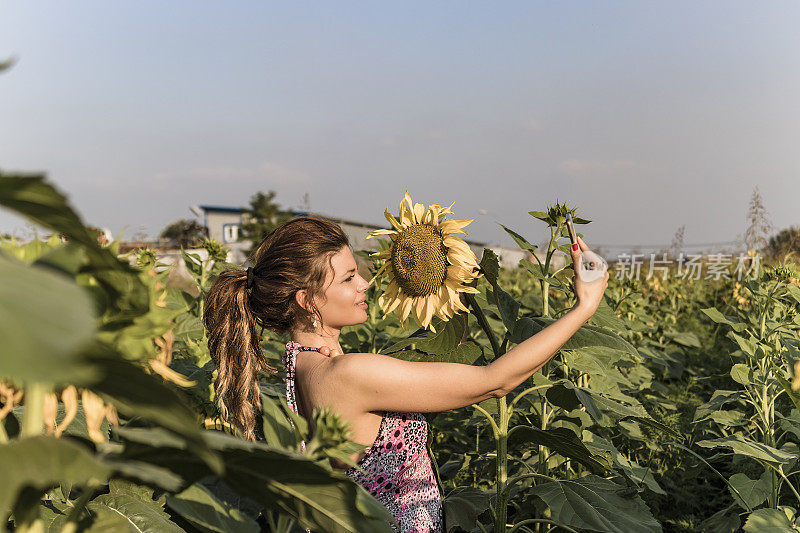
point(648, 115)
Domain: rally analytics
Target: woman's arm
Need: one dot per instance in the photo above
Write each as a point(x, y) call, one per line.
point(374, 382)
point(382, 383)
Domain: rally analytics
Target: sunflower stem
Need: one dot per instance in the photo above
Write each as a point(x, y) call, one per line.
point(484, 323)
point(499, 428)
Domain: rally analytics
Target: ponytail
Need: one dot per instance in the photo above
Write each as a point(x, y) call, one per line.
point(234, 343)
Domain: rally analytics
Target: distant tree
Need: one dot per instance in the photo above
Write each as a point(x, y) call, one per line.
point(786, 242)
point(185, 233)
point(263, 215)
point(676, 246)
point(757, 233)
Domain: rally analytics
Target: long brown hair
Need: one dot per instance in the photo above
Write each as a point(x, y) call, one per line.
point(295, 255)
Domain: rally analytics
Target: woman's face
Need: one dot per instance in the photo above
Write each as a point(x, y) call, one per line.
point(345, 292)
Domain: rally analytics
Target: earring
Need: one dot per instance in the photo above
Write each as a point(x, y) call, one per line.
point(314, 324)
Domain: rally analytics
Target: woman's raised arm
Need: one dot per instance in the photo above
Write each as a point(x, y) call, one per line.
point(382, 383)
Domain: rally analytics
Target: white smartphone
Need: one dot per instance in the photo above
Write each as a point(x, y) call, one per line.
point(591, 266)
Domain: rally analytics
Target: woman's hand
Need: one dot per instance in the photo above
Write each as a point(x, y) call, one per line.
point(589, 294)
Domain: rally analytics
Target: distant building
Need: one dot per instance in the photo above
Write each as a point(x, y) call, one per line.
point(224, 225)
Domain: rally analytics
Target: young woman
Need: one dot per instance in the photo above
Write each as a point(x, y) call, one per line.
point(304, 281)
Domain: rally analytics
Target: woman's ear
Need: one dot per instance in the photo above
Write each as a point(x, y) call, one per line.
point(301, 297)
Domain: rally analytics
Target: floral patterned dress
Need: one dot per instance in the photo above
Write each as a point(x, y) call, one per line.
point(397, 468)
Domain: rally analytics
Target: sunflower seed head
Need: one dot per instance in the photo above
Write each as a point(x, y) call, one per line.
point(419, 260)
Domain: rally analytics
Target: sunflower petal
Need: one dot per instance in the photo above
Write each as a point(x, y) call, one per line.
point(405, 308)
point(419, 210)
point(383, 254)
point(430, 304)
point(419, 309)
point(428, 218)
point(379, 273)
point(392, 305)
point(376, 232)
point(393, 221)
point(468, 289)
point(460, 258)
point(406, 214)
point(447, 210)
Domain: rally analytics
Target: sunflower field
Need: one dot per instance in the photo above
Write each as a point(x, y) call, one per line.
point(675, 408)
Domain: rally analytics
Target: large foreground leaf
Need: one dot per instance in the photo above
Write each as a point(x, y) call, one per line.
point(285, 481)
point(34, 198)
point(199, 506)
point(41, 463)
point(595, 504)
point(45, 318)
point(137, 514)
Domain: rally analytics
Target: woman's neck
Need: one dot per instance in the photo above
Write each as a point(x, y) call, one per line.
point(325, 336)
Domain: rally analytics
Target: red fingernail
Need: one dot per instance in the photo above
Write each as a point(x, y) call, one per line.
point(575, 247)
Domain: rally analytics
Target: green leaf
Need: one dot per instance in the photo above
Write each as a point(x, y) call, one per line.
point(737, 325)
point(769, 521)
point(52, 518)
point(45, 319)
point(598, 361)
point(719, 399)
point(637, 474)
point(467, 353)
point(33, 197)
point(605, 317)
point(596, 504)
point(753, 491)
point(541, 216)
point(277, 430)
point(508, 307)
point(66, 259)
point(742, 373)
point(462, 506)
point(446, 338)
point(563, 441)
point(686, 338)
point(490, 266)
point(750, 448)
point(141, 516)
point(587, 335)
point(202, 508)
point(787, 387)
point(568, 396)
point(724, 521)
point(137, 394)
point(520, 240)
point(729, 418)
point(748, 346)
point(794, 292)
point(288, 482)
point(41, 463)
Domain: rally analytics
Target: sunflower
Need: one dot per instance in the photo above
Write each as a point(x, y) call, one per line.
point(427, 264)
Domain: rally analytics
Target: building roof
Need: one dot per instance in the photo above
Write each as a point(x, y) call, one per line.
point(222, 208)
